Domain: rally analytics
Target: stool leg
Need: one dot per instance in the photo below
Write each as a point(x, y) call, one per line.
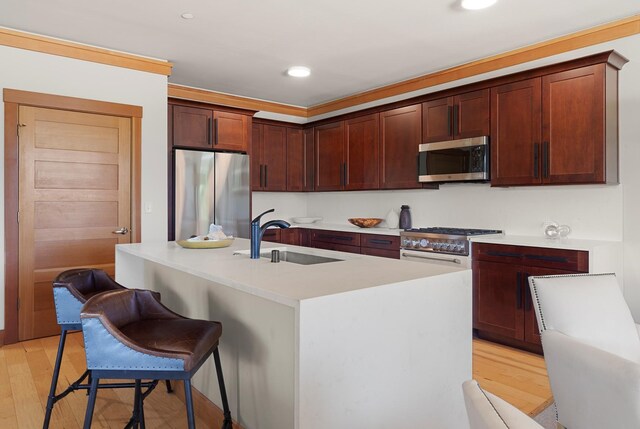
point(140, 405)
point(54, 380)
point(191, 421)
point(169, 388)
point(226, 424)
point(93, 392)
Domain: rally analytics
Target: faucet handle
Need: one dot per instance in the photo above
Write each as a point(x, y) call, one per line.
point(257, 218)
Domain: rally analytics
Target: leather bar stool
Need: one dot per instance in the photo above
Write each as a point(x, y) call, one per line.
point(71, 290)
point(130, 334)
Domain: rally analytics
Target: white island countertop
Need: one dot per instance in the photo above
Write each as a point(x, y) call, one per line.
point(364, 342)
point(285, 283)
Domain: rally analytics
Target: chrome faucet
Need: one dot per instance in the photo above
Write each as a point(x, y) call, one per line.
point(257, 232)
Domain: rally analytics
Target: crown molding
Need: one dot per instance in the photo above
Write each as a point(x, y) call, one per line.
point(63, 48)
point(213, 97)
point(592, 36)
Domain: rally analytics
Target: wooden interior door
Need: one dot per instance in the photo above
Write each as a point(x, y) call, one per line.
point(74, 193)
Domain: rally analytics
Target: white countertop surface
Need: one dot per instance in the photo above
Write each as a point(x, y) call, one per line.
point(540, 241)
point(284, 282)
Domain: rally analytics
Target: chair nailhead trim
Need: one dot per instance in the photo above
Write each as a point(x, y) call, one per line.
point(535, 289)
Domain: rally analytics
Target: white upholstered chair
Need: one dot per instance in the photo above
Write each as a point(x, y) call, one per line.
point(592, 350)
point(487, 411)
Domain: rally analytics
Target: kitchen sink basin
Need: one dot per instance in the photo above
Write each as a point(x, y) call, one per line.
point(299, 258)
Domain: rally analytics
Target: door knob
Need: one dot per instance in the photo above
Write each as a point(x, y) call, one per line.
point(122, 231)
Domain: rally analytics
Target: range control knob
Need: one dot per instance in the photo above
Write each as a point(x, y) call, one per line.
point(415, 243)
point(424, 242)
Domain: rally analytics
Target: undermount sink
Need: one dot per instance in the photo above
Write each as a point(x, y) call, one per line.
point(299, 258)
point(293, 257)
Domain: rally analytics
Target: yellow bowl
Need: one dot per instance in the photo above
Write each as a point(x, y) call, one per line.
point(365, 222)
point(205, 244)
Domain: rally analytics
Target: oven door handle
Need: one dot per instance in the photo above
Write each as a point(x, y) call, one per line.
point(454, 260)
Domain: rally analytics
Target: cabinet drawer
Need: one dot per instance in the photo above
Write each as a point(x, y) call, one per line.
point(384, 253)
point(272, 234)
point(563, 259)
point(388, 242)
point(336, 237)
point(335, 246)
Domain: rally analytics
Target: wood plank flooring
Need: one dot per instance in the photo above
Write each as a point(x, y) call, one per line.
point(25, 375)
point(518, 377)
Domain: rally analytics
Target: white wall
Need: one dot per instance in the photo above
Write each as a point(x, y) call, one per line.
point(37, 72)
point(607, 212)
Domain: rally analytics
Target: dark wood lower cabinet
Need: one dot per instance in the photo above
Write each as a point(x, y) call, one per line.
point(386, 246)
point(502, 305)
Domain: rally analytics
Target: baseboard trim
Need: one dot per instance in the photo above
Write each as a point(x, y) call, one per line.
point(206, 409)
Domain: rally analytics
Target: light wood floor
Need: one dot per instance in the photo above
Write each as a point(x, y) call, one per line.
point(25, 376)
point(518, 377)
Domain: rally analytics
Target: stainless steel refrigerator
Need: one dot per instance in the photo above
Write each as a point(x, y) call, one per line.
point(211, 187)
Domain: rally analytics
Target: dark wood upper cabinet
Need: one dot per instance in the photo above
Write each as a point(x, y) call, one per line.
point(573, 126)
point(560, 128)
point(347, 154)
point(456, 117)
point(436, 120)
point(471, 114)
point(269, 158)
point(192, 127)
point(400, 133)
point(516, 133)
point(329, 159)
point(309, 160)
point(231, 131)
point(205, 128)
point(295, 160)
point(256, 173)
point(361, 153)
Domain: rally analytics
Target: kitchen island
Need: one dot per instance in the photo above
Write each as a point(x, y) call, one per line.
point(363, 342)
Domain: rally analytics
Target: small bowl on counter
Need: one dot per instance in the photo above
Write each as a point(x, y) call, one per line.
point(305, 219)
point(365, 222)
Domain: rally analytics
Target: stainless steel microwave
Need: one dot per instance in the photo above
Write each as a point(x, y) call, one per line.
point(464, 160)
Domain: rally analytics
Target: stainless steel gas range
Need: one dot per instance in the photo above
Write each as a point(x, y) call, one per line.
point(449, 246)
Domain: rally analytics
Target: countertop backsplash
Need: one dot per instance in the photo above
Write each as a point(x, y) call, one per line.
point(594, 212)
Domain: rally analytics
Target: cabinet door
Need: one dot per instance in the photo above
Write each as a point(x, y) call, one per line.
point(231, 131)
point(295, 160)
point(471, 114)
point(498, 299)
point(361, 151)
point(329, 146)
point(515, 133)
point(192, 127)
point(309, 157)
point(437, 120)
point(274, 158)
point(257, 170)
point(573, 126)
point(290, 236)
point(399, 139)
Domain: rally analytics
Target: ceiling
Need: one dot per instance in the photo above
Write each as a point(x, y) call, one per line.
point(243, 47)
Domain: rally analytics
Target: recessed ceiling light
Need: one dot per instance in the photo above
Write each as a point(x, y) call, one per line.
point(477, 4)
point(187, 15)
point(298, 71)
